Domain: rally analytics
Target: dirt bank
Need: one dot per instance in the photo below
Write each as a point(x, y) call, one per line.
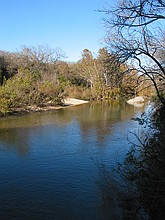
point(68, 102)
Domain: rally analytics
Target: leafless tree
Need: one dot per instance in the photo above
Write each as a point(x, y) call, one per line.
point(136, 13)
point(41, 59)
point(135, 32)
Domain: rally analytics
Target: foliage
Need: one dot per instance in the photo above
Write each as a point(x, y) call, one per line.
point(135, 35)
point(80, 92)
point(8, 65)
point(144, 168)
point(102, 74)
point(14, 90)
point(37, 76)
point(139, 180)
point(26, 89)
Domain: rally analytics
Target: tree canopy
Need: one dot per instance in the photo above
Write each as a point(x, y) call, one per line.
point(136, 34)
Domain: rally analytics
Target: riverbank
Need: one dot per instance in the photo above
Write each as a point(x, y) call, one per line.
point(68, 102)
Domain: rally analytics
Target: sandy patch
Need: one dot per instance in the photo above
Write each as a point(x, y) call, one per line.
point(72, 101)
point(137, 101)
point(68, 102)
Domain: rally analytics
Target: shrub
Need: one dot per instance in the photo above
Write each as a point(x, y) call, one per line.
point(26, 89)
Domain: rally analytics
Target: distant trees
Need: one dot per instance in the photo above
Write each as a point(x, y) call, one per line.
point(38, 76)
point(135, 35)
point(2, 70)
point(30, 77)
point(7, 65)
point(110, 72)
point(103, 73)
point(87, 68)
point(39, 59)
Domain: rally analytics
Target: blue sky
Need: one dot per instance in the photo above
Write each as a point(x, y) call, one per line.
point(71, 25)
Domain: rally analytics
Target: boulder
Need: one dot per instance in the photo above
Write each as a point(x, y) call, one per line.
point(135, 101)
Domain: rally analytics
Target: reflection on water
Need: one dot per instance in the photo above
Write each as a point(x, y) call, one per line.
point(143, 171)
point(46, 159)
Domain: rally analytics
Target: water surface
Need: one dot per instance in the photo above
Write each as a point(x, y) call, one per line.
point(48, 161)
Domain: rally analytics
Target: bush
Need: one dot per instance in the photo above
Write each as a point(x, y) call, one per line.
point(79, 92)
point(26, 89)
point(17, 90)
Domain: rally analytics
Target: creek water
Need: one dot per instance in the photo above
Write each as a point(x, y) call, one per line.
point(50, 162)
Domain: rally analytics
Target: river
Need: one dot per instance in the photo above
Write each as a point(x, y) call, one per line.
point(50, 161)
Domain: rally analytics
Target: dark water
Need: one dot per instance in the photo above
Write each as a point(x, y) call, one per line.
point(48, 161)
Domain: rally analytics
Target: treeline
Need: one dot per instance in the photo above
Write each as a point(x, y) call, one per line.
point(38, 76)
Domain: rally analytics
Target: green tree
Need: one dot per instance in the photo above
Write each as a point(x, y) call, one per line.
point(88, 68)
point(7, 66)
point(110, 72)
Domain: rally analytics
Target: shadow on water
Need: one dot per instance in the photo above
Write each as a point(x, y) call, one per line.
point(139, 182)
